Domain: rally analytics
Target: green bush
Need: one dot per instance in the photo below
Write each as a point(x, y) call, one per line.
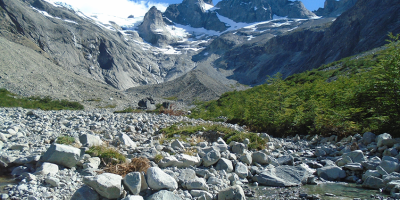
point(68, 140)
point(8, 99)
point(107, 154)
point(353, 95)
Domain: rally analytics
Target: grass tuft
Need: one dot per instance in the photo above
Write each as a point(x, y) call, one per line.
point(68, 140)
point(107, 154)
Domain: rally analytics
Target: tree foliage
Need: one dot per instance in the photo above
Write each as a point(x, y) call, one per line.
point(353, 95)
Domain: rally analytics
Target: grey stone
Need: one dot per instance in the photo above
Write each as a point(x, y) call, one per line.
point(232, 193)
point(354, 167)
point(93, 162)
point(260, 157)
point(246, 158)
point(373, 183)
point(85, 193)
point(368, 137)
point(186, 175)
point(356, 156)
point(47, 168)
point(214, 181)
point(239, 148)
point(62, 154)
point(176, 144)
point(196, 184)
point(211, 158)
point(90, 140)
point(320, 152)
point(19, 171)
point(124, 139)
point(164, 195)
point(282, 176)
point(371, 173)
point(107, 185)
point(224, 164)
point(382, 137)
point(158, 180)
point(55, 182)
point(133, 197)
point(286, 160)
point(241, 170)
point(390, 166)
point(390, 177)
point(331, 173)
point(133, 182)
point(202, 193)
point(20, 147)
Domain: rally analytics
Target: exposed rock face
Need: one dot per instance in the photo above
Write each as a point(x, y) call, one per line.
point(261, 10)
point(84, 48)
point(153, 29)
point(193, 13)
point(334, 8)
point(363, 27)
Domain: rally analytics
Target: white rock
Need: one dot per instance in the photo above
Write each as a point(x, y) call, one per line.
point(107, 185)
point(90, 140)
point(62, 154)
point(133, 197)
point(133, 182)
point(158, 179)
point(47, 168)
point(232, 193)
point(126, 140)
point(382, 137)
point(331, 173)
point(85, 193)
point(196, 184)
point(224, 164)
point(241, 170)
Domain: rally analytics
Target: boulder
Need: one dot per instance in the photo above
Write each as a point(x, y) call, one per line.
point(180, 160)
point(107, 185)
point(232, 193)
point(354, 167)
point(246, 158)
point(90, 140)
point(47, 168)
point(368, 137)
point(356, 156)
point(382, 137)
point(158, 179)
point(282, 176)
point(241, 170)
point(55, 182)
point(186, 175)
point(176, 144)
point(224, 164)
point(371, 173)
point(285, 160)
point(133, 182)
point(319, 153)
point(331, 173)
point(239, 148)
point(373, 182)
point(164, 195)
point(62, 155)
point(92, 163)
point(211, 158)
point(260, 157)
point(133, 197)
point(124, 139)
point(202, 194)
point(85, 193)
point(196, 184)
point(390, 166)
point(148, 103)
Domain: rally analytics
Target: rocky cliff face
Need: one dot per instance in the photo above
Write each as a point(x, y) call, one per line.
point(153, 29)
point(363, 27)
point(87, 48)
point(195, 14)
point(261, 10)
point(334, 8)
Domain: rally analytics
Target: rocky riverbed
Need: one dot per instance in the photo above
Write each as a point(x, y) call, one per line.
point(210, 170)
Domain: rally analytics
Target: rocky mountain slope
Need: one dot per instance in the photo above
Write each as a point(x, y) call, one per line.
point(260, 38)
point(363, 27)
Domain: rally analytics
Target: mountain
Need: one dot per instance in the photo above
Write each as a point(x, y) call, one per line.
point(193, 49)
point(334, 8)
point(101, 52)
point(262, 10)
point(363, 27)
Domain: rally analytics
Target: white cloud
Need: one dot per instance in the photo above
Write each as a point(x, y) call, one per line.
point(117, 8)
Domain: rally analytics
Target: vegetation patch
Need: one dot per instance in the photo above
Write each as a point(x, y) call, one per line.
point(353, 95)
point(136, 165)
point(68, 140)
point(107, 154)
point(158, 158)
point(8, 99)
point(211, 132)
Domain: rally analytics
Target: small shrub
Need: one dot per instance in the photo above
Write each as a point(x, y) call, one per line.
point(136, 165)
point(158, 158)
point(128, 110)
point(190, 151)
point(68, 140)
point(107, 154)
